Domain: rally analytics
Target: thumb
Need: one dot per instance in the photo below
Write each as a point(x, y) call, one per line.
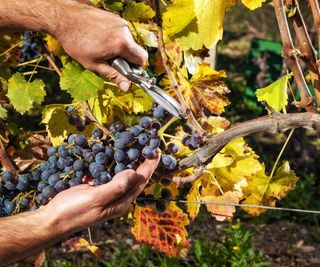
point(113, 75)
point(147, 168)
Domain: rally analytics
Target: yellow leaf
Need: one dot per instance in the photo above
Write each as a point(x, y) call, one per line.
point(214, 124)
point(145, 34)
point(276, 94)
point(205, 90)
point(54, 46)
point(253, 4)
point(80, 242)
point(195, 23)
point(138, 12)
point(220, 160)
point(265, 190)
point(194, 196)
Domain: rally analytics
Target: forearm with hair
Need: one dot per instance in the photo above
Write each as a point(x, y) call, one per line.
point(25, 234)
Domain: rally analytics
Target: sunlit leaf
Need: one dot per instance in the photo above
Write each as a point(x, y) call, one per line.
point(81, 84)
point(144, 33)
point(253, 4)
point(194, 24)
point(164, 231)
point(276, 94)
point(138, 12)
point(54, 46)
point(23, 94)
point(79, 242)
point(193, 196)
point(265, 190)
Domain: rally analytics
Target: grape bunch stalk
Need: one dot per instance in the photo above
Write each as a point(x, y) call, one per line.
point(93, 160)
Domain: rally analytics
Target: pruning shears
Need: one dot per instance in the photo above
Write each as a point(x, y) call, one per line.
point(140, 76)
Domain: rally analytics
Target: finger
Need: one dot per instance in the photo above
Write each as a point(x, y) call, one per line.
point(147, 168)
point(113, 75)
point(134, 53)
point(118, 186)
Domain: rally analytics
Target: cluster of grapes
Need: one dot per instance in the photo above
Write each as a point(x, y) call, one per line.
point(30, 48)
point(192, 139)
point(96, 159)
point(76, 120)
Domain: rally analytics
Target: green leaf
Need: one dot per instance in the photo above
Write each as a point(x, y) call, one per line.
point(138, 12)
point(275, 94)
point(194, 24)
point(81, 84)
point(23, 94)
point(57, 124)
point(3, 113)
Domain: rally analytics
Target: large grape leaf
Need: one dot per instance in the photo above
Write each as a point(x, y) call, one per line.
point(276, 94)
point(193, 197)
point(253, 4)
point(81, 84)
point(164, 231)
point(265, 190)
point(205, 90)
point(194, 24)
point(24, 94)
point(138, 12)
point(57, 124)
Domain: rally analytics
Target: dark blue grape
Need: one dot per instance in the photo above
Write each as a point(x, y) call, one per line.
point(120, 144)
point(41, 185)
point(36, 175)
point(72, 119)
point(187, 128)
point(71, 139)
point(76, 151)
point(45, 175)
point(49, 192)
point(126, 136)
point(109, 152)
point(78, 165)
point(80, 140)
point(160, 206)
point(172, 147)
point(60, 164)
point(25, 203)
point(156, 125)
point(145, 122)
point(119, 156)
point(101, 158)
point(9, 206)
point(149, 152)
point(10, 185)
point(68, 161)
point(23, 182)
point(165, 193)
point(44, 166)
point(119, 168)
point(169, 162)
point(7, 176)
point(154, 142)
point(132, 165)
point(41, 199)
point(119, 126)
point(74, 181)
point(136, 130)
point(133, 154)
point(79, 174)
point(51, 150)
point(60, 186)
point(143, 139)
point(68, 169)
point(104, 177)
point(97, 133)
point(153, 133)
point(97, 147)
point(186, 140)
point(62, 151)
point(159, 112)
point(53, 179)
point(89, 157)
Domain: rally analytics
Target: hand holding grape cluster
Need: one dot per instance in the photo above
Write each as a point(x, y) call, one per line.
point(95, 160)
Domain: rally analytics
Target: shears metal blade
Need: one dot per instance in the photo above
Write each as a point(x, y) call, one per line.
point(139, 76)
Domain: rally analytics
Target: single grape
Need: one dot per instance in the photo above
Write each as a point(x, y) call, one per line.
point(79, 174)
point(53, 179)
point(101, 158)
point(132, 165)
point(72, 119)
point(104, 177)
point(133, 154)
point(41, 199)
point(78, 165)
point(172, 147)
point(80, 124)
point(23, 182)
point(9, 206)
point(159, 112)
point(89, 156)
point(80, 140)
point(68, 169)
point(126, 136)
point(120, 144)
point(119, 156)
point(41, 185)
point(60, 164)
point(153, 133)
point(36, 175)
point(187, 128)
point(109, 152)
point(71, 139)
point(60, 186)
point(97, 133)
point(145, 122)
point(97, 147)
point(51, 150)
point(68, 161)
point(49, 192)
point(156, 125)
point(45, 175)
point(95, 173)
point(76, 151)
point(165, 193)
point(25, 203)
point(119, 126)
point(74, 181)
point(136, 130)
point(62, 151)
point(160, 206)
point(7, 176)
point(143, 139)
point(119, 168)
point(169, 162)
point(186, 140)
point(10, 185)
point(149, 152)
point(154, 142)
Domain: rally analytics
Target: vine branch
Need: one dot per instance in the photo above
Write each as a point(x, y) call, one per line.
point(6, 161)
point(271, 123)
point(314, 5)
point(291, 55)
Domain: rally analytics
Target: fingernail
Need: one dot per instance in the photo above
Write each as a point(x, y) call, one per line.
point(124, 86)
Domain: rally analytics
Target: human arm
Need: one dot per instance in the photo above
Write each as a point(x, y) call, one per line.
point(71, 211)
point(88, 34)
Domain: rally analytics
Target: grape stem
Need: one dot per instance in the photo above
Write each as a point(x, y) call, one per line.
point(188, 179)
